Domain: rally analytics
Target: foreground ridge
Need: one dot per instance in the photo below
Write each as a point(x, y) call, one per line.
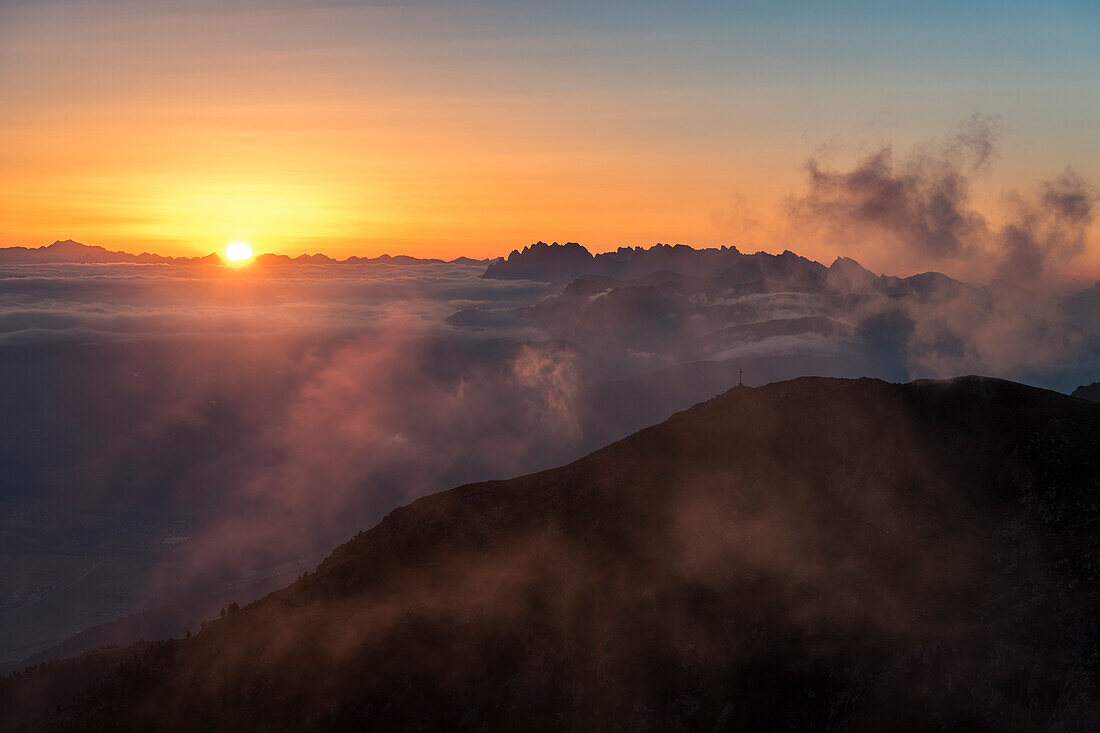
point(811, 554)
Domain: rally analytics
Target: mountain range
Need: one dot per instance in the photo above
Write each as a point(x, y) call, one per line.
point(821, 554)
point(669, 304)
point(70, 252)
point(564, 262)
point(724, 266)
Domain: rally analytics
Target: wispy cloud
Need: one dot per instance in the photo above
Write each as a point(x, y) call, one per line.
point(918, 207)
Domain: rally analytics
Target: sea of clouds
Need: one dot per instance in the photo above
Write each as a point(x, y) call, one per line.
point(235, 420)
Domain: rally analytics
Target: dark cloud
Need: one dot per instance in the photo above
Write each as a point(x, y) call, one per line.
point(918, 206)
point(920, 202)
point(1051, 227)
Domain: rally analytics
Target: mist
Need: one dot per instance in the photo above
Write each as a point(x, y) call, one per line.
point(217, 431)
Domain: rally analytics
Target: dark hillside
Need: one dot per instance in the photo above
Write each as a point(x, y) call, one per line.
point(813, 554)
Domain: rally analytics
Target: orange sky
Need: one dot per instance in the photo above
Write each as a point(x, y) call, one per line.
point(473, 128)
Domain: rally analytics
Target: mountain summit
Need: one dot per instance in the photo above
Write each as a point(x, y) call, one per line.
point(563, 262)
point(819, 554)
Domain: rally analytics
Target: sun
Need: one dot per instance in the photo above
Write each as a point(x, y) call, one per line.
point(238, 252)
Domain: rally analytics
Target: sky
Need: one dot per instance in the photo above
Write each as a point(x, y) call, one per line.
point(441, 129)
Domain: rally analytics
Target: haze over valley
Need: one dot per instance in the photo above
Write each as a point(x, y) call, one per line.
point(211, 431)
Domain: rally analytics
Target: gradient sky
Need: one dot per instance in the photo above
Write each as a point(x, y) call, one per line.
point(447, 128)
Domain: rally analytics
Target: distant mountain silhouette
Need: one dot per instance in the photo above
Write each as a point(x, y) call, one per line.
point(542, 261)
point(818, 554)
point(563, 262)
point(722, 267)
point(725, 266)
point(70, 252)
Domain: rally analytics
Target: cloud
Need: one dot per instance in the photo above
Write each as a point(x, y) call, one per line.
point(76, 303)
point(270, 415)
point(918, 207)
point(372, 424)
point(1050, 227)
point(921, 202)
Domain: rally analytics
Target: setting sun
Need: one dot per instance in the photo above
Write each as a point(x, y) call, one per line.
point(238, 252)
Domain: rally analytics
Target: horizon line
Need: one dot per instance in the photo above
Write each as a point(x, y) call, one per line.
point(1065, 276)
point(385, 255)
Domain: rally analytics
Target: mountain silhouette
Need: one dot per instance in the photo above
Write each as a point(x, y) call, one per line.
point(814, 554)
point(722, 267)
point(564, 262)
point(70, 252)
